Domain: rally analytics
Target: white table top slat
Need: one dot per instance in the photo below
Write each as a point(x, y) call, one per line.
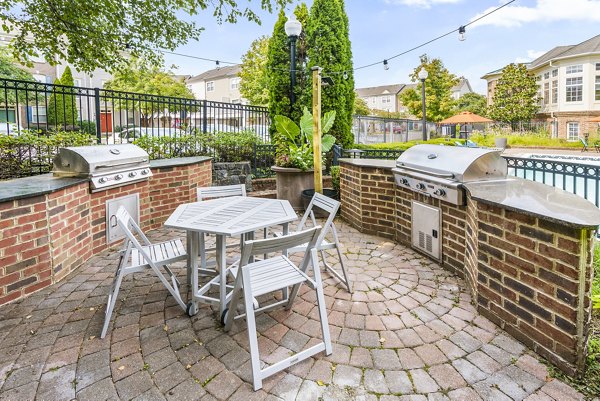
point(231, 216)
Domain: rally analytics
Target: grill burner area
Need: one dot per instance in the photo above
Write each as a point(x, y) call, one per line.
point(106, 166)
point(439, 171)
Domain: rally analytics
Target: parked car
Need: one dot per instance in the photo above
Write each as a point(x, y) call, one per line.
point(130, 134)
point(10, 129)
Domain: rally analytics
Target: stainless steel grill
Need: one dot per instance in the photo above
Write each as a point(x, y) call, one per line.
point(440, 171)
point(106, 166)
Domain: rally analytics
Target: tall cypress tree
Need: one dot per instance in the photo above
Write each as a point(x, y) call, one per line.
point(278, 66)
point(329, 48)
point(62, 105)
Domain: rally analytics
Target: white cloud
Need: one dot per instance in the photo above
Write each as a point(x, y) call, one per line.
point(543, 11)
point(531, 55)
point(420, 3)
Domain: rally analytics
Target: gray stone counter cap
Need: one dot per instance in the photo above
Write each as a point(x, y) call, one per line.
point(375, 163)
point(27, 187)
point(538, 200)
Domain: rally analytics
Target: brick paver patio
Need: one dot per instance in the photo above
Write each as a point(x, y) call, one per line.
point(408, 332)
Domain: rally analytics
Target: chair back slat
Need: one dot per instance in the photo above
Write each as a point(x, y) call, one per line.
point(324, 203)
point(223, 191)
point(278, 244)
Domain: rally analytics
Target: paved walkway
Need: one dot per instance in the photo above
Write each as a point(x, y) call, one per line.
point(408, 332)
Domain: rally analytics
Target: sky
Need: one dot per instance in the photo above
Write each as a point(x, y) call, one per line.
point(380, 29)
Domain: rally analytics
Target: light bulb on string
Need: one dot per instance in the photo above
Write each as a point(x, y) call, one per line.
point(345, 75)
point(461, 33)
point(385, 65)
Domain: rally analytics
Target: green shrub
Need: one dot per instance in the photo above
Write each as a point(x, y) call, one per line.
point(335, 178)
point(405, 145)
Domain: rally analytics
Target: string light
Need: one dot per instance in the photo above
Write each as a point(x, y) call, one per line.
point(461, 33)
point(385, 65)
point(345, 75)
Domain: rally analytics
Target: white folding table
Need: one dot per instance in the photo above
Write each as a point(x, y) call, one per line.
point(224, 217)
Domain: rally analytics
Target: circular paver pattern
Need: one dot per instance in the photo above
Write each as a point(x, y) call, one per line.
point(407, 332)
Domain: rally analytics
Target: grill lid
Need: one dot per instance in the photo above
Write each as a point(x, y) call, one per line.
point(94, 160)
point(462, 164)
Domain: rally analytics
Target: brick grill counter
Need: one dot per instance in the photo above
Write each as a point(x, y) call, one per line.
point(524, 249)
point(50, 226)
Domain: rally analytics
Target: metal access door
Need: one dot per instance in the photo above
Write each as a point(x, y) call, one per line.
point(427, 229)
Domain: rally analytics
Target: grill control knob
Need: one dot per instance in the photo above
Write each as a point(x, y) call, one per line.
point(118, 177)
point(102, 180)
point(132, 174)
point(439, 192)
point(421, 186)
point(404, 181)
point(144, 171)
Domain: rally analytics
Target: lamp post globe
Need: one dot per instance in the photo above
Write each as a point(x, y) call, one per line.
point(423, 76)
point(293, 29)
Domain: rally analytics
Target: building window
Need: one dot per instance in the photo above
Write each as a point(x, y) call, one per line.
point(572, 131)
point(574, 69)
point(234, 83)
point(210, 86)
point(386, 99)
point(546, 92)
point(38, 114)
point(597, 66)
point(555, 91)
point(574, 89)
point(373, 100)
point(555, 72)
point(547, 75)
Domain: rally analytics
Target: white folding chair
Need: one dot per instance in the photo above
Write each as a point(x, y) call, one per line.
point(206, 193)
point(253, 279)
point(139, 256)
point(331, 207)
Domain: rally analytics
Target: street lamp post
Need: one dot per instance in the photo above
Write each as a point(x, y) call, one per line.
point(293, 28)
point(423, 76)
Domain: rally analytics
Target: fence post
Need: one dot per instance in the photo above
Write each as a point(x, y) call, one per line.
point(204, 119)
point(97, 112)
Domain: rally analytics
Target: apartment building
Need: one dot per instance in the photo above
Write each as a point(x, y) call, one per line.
point(569, 88)
point(219, 85)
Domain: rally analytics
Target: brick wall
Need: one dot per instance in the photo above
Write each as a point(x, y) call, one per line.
point(529, 275)
point(368, 199)
point(562, 118)
point(44, 238)
point(528, 281)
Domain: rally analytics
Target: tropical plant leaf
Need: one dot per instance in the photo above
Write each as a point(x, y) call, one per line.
point(327, 121)
point(306, 124)
point(286, 127)
point(327, 142)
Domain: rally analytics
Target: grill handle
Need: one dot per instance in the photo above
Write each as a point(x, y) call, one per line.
point(112, 165)
point(428, 172)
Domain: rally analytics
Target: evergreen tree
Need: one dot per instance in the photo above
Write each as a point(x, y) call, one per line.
point(278, 67)
point(329, 48)
point(62, 104)
point(515, 96)
point(254, 84)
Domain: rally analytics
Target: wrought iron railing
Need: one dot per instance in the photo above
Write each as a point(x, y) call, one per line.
point(262, 160)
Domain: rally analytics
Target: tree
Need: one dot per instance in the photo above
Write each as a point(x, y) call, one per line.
point(254, 84)
point(10, 70)
point(329, 48)
point(62, 104)
point(141, 76)
point(360, 107)
point(515, 96)
point(438, 91)
point(99, 34)
point(473, 102)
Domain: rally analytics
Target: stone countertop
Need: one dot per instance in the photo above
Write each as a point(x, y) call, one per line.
point(29, 187)
point(179, 161)
point(375, 163)
point(537, 199)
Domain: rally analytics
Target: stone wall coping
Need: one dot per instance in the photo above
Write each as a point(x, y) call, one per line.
point(28, 187)
point(537, 199)
point(178, 161)
point(375, 163)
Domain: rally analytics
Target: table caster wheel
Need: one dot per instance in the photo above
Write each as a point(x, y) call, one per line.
point(255, 303)
point(191, 309)
point(224, 316)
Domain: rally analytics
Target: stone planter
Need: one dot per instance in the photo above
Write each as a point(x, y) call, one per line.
point(291, 182)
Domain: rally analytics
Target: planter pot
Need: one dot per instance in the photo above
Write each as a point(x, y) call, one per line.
point(291, 182)
point(307, 195)
point(500, 142)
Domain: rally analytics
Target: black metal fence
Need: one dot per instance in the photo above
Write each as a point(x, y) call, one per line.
point(370, 129)
point(115, 117)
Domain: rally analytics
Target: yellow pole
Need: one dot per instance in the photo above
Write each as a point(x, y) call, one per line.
point(316, 112)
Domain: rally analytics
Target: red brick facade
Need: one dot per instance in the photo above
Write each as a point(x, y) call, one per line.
point(530, 276)
point(44, 238)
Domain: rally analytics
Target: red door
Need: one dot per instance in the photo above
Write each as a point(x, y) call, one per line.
point(106, 121)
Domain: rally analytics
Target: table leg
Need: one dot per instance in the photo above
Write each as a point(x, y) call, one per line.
point(222, 268)
point(192, 245)
point(286, 231)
